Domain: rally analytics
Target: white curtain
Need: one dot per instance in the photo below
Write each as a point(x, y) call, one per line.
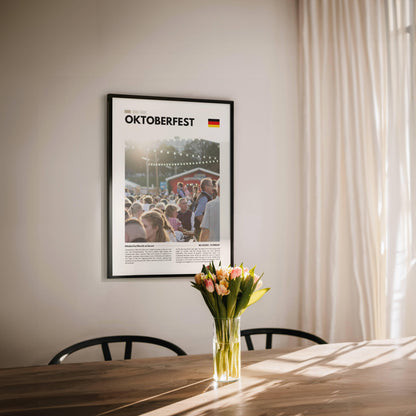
point(401, 178)
point(357, 89)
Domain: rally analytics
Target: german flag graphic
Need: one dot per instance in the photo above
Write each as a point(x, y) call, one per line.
point(213, 122)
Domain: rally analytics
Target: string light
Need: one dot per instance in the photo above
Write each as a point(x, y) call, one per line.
point(202, 162)
point(208, 159)
point(201, 159)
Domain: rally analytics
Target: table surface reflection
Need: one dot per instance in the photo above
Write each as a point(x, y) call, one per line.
point(366, 378)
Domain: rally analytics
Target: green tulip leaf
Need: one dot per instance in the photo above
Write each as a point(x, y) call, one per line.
point(255, 296)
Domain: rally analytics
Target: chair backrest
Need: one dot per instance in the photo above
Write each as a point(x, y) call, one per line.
point(247, 333)
point(104, 341)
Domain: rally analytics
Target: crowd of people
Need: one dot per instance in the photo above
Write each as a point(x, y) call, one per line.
point(190, 214)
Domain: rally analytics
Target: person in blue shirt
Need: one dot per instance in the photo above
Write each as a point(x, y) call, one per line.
point(181, 192)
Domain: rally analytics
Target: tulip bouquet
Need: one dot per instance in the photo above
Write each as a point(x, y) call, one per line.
point(228, 292)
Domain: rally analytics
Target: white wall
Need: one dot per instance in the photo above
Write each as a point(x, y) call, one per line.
point(59, 60)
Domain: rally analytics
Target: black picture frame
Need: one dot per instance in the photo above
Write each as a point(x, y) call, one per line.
point(154, 144)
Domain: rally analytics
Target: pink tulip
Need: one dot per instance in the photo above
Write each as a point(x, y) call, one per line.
point(209, 285)
point(236, 272)
point(257, 284)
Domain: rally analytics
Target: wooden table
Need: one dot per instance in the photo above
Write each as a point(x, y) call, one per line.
point(367, 378)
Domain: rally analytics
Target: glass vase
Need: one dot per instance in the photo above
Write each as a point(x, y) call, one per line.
point(226, 349)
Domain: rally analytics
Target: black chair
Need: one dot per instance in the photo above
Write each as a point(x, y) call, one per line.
point(104, 341)
point(247, 333)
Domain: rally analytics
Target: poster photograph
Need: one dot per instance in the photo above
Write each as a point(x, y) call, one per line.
point(170, 185)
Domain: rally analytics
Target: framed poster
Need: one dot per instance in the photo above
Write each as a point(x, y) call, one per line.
point(170, 185)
